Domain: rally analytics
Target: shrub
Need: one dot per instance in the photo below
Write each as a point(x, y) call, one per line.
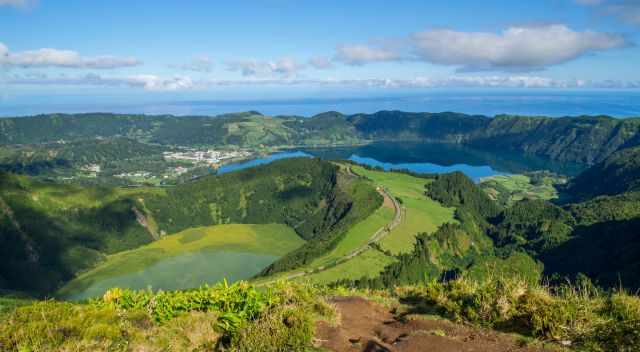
point(234, 304)
point(287, 328)
point(279, 318)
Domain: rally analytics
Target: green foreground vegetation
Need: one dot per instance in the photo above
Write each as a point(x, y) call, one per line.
point(281, 318)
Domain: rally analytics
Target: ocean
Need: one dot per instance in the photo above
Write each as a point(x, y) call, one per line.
point(555, 103)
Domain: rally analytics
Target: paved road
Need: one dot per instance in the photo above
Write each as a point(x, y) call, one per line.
point(377, 236)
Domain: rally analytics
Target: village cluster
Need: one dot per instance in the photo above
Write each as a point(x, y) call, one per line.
point(205, 156)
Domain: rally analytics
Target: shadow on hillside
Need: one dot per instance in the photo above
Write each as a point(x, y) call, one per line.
point(613, 249)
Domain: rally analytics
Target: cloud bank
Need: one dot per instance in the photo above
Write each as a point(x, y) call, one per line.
point(146, 82)
point(176, 83)
point(48, 57)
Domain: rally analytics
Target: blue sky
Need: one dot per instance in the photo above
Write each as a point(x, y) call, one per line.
point(222, 49)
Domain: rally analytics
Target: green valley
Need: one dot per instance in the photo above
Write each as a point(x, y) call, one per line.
point(285, 248)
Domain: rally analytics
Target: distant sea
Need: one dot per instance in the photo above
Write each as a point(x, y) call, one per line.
point(486, 102)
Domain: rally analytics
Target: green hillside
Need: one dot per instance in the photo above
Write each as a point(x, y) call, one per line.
point(52, 232)
point(617, 174)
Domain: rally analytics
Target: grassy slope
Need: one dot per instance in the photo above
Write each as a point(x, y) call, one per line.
point(272, 239)
point(357, 236)
point(422, 214)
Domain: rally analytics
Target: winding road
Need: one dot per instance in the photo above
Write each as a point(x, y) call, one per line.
point(377, 236)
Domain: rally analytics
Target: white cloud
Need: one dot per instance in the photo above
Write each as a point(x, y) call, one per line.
point(321, 62)
point(198, 64)
point(516, 48)
point(48, 57)
point(286, 67)
point(360, 54)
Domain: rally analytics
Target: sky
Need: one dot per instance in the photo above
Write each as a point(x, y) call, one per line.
point(75, 49)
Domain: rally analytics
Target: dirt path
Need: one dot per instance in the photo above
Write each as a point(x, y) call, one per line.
point(366, 326)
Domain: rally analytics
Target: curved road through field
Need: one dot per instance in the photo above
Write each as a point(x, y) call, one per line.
point(377, 236)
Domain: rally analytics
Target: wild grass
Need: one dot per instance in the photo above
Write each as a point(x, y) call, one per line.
point(281, 317)
point(580, 315)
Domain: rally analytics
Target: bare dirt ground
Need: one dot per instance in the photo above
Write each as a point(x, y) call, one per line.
point(370, 327)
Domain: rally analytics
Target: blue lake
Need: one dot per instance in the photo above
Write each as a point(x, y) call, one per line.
point(474, 172)
point(260, 161)
point(423, 158)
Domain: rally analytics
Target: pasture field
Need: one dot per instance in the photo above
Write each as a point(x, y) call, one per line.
point(420, 213)
point(188, 259)
point(509, 189)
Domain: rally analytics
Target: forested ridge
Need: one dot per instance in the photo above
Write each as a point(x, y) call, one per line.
point(582, 139)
